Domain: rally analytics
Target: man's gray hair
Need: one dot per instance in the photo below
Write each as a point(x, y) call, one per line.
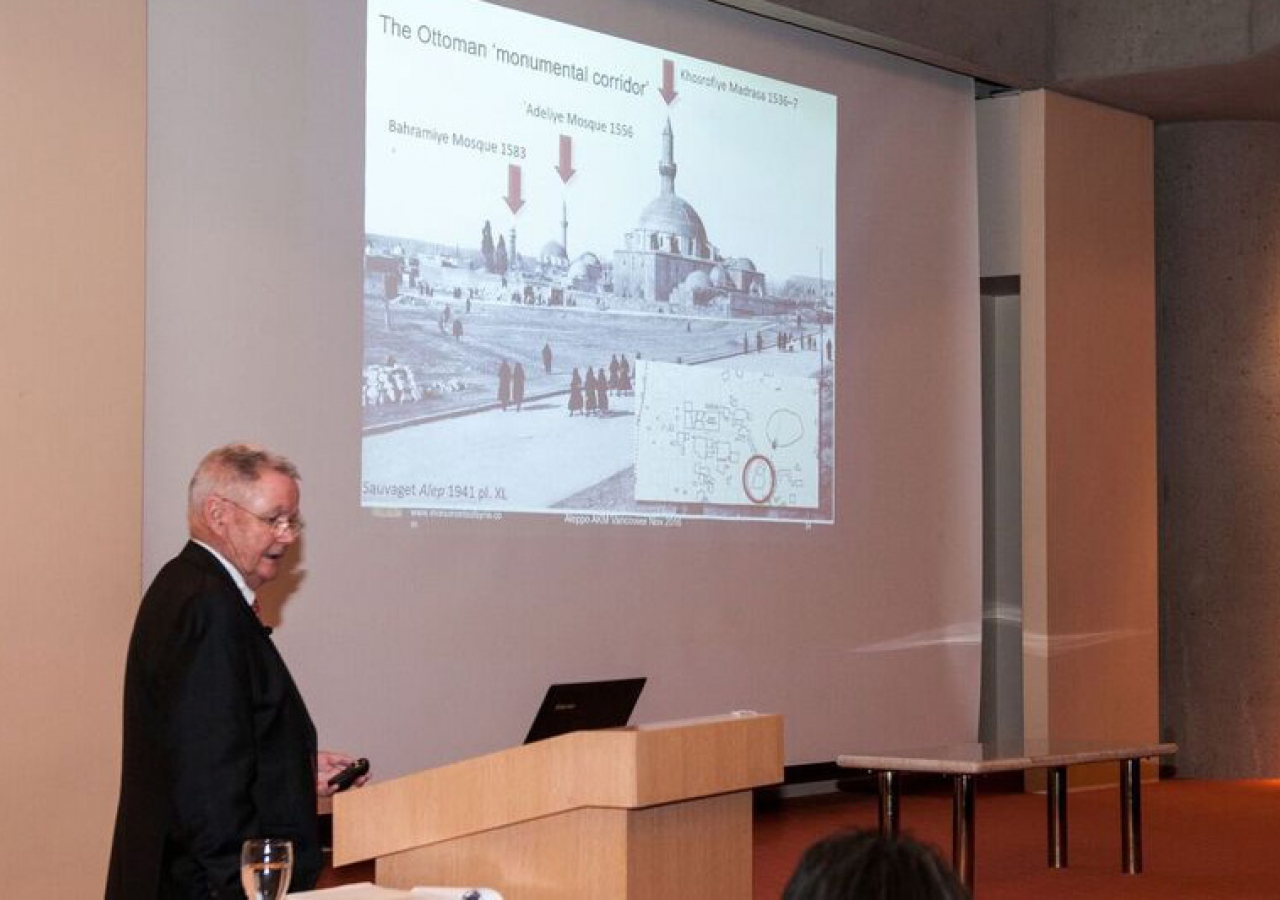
point(230, 469)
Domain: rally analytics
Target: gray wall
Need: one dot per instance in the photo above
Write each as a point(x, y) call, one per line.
point(1218, 251)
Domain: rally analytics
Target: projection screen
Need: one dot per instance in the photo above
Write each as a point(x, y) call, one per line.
point(760, 241)
point(694, 341)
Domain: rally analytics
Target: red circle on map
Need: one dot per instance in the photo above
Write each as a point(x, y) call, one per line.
point(754, 465)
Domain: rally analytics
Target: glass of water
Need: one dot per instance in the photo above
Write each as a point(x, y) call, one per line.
point(265, 867)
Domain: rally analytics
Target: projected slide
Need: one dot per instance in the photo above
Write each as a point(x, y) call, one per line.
point(597, 276)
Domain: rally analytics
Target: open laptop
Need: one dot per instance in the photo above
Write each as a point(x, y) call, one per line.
point(585, 705)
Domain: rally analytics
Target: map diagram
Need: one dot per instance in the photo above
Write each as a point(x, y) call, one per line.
point(718, 435)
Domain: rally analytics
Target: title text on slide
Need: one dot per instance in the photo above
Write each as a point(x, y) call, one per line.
point(432, 37)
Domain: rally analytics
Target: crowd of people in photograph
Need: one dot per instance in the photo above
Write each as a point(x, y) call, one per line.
point(590, 395)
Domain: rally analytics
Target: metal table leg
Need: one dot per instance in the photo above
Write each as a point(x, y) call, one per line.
point(1058, 817)
point(962, 833)
point(889, 801)
point(1131, 816)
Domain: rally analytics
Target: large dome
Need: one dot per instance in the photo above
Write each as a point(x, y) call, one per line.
point(669, 214)
point(585, 268)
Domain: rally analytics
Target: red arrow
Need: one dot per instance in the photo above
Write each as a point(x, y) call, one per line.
point(513, 189)
point(565, 168)
point(668, 79)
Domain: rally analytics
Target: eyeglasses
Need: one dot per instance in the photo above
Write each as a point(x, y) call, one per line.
point(280, 525)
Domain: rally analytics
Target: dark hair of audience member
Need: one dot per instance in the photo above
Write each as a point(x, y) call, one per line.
point(862, 864)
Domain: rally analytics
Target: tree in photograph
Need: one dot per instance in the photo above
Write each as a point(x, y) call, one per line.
point(500, 257)
point(486, 245)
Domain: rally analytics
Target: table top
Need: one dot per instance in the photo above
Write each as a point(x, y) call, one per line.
point(1001, 756)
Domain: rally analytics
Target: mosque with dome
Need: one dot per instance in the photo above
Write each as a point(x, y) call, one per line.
point(667, 257)
point(666, 260)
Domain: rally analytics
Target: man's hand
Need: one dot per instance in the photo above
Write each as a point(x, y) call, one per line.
point(330, 763)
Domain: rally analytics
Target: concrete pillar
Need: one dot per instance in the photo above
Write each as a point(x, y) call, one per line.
point(1218, 203)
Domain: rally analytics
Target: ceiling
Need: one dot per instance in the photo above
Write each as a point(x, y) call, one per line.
point(1172, 60)
point(1244, 90)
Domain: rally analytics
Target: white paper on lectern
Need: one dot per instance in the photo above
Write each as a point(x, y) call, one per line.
point(363, 891)
point(367, 891)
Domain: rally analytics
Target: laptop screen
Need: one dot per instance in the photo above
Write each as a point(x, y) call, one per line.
point(585, 705)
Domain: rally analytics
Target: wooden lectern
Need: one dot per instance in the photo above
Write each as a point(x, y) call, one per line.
point(653, 811)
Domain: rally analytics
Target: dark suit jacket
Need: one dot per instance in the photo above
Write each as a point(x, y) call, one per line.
point(218, 745)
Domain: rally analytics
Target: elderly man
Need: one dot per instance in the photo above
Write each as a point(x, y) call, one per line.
point(218, 745)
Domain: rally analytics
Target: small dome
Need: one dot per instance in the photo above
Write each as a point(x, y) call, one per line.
point(553, 250)
point(743, 264)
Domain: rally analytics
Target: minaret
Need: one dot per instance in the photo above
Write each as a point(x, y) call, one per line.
point(511, 250)
point(564, 227)
point(667, 167)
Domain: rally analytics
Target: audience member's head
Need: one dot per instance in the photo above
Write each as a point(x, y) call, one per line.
point(853, 865)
